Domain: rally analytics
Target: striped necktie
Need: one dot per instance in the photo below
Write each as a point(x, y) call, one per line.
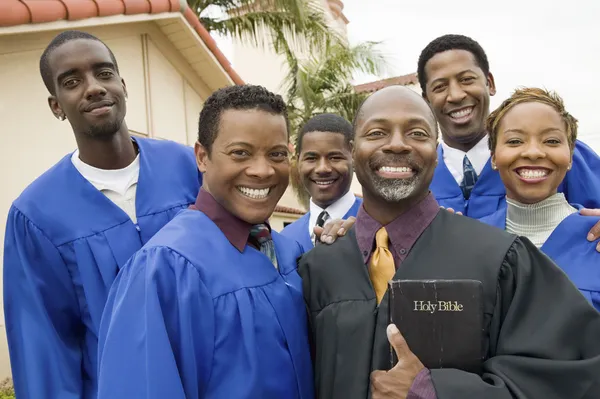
point(469, 178)
point(262, 235)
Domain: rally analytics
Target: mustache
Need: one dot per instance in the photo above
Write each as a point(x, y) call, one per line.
point(404, 160)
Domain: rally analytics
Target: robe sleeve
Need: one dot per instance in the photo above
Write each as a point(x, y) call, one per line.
point(304, 272)
point(157, 332)
point(43, 322)
point(582, 183)
point(543, 337)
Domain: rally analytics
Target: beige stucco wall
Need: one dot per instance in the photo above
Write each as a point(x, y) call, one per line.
point(278, 220)
point(165, 98)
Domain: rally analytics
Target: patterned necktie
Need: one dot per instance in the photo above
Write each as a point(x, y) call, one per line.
point(262, 234)
point(321, 219)
point(469, 178)
point(381, 266)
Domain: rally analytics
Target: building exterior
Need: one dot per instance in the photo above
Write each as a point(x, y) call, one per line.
point(169, 62)
point(411, 81)
point(284, 215)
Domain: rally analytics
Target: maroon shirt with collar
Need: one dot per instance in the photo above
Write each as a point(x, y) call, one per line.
point(403, 232)
point(235, 229)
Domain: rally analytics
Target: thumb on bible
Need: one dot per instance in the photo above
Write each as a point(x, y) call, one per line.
point(396, 383)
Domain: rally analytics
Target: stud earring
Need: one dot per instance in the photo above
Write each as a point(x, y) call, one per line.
point(494, 166)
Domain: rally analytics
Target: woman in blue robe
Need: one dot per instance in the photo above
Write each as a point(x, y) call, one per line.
point(581, 185)
point(212, 305)
point(66, 240)
point(532, 139)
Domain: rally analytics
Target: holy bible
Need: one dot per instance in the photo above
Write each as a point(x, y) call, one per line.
point(441, 321)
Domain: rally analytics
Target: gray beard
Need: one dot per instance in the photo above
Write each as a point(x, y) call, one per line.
point(394, 190)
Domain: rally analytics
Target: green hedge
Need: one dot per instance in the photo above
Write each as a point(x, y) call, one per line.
point(6, 389)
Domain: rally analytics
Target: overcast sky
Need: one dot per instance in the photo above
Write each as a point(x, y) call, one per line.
point(528, 43)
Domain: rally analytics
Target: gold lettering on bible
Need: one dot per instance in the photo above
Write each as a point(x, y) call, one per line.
point(437, 306)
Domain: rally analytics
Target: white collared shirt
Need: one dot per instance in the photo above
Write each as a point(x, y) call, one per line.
point(478, 156)
point(118, 185)
point(337, 210)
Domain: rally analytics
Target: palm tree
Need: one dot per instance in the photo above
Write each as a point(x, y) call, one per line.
point(322, 84)
point(316, 83)
point(289, 23)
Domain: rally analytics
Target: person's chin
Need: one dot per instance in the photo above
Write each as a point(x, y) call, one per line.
point(105, 130)
point(255, 212)
point(255, 217)
point(319, 198)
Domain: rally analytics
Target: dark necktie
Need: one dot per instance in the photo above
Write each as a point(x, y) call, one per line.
point(321, 219)
point(469, 178)
point(262, 234)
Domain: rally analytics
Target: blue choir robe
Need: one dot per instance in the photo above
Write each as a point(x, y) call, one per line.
point(581, 185)
point(190, 316)
point(65, 242)
point(568, 247)
point(298, 230)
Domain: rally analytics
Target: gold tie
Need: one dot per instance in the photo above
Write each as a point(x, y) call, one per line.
point(381, 266)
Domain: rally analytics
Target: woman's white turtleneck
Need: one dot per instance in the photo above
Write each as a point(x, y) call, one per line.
point(537, 221)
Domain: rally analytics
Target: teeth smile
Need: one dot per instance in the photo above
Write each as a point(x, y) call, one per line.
point(533, 173)
point(324, 183)
point(390, 169)
point(254, 193)
point(462, 113)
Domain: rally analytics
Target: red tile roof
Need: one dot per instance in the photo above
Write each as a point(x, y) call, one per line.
point(22, 12)
point(404, 80)
point(287, 209)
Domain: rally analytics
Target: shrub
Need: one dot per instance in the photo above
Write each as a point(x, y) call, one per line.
point(6, 389)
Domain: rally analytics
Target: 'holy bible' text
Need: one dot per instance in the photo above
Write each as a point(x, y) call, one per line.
point(438, 306)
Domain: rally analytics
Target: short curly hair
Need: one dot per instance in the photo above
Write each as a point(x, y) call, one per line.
point(528, 95)
point(59, 40)
point(332, 123)
point(238, 97)
point(450, 42)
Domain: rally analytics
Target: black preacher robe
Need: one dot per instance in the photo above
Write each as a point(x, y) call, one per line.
point(541, 337)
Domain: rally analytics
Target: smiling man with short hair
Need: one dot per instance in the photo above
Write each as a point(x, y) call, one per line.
point(456, 80)
point(324, 148)
point(75, 226)
point(212, 307)
point(540, 334)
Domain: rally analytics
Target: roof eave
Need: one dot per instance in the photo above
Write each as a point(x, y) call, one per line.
point(186, 17)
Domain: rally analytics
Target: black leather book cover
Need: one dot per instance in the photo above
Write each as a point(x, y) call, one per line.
point(441, 320)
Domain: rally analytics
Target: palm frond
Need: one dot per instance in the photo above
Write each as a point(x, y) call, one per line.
point(322, 83)
point(265, 23)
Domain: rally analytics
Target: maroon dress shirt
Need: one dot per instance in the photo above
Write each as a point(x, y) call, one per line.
point(403, 232)
point(235, 229)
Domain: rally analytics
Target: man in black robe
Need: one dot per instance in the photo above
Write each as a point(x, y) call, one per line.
point(541, 337)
